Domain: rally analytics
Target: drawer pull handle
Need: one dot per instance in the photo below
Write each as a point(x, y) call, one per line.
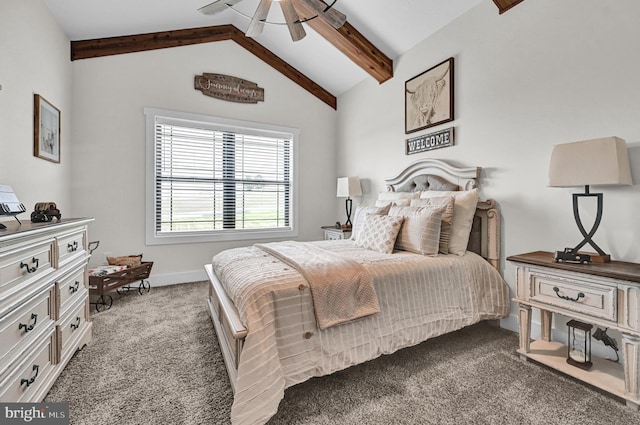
point(72, 247)
point(74, 288)
point(76, 325)
point(30, 327)
point(564, 297)
point(24, 265)
point(33, 378)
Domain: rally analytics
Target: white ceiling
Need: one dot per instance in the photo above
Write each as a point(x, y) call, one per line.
point(394, 26)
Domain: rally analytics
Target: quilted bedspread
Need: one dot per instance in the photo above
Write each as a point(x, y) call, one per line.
point(420, 297)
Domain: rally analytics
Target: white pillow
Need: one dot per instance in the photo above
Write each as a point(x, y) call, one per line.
point(464, 208)
point(399, 202)
point(447, 218)
point(360, 215)
point(379, 233)
point(396, 196)
point(420, 231)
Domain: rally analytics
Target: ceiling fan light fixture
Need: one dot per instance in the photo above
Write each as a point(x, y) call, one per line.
point(292, 19)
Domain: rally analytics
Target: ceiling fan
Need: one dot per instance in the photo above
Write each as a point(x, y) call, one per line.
point(291, 16)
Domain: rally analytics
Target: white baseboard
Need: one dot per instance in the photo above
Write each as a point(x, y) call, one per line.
point(177, 278)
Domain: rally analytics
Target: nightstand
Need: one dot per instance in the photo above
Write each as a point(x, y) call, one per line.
point(602, 294)
point(334, 233)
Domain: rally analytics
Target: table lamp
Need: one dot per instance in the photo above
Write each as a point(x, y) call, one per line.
point(348, 187)
point(598, 162)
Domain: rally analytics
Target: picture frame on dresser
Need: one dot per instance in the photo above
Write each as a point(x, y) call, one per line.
point(46, 129)
point(429, 97)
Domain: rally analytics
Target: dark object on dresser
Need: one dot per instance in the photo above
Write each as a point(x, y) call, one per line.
point(569, 255)
point(44, 212)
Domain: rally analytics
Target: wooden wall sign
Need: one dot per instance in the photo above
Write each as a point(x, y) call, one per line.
point(427, 142)
point(231, 89)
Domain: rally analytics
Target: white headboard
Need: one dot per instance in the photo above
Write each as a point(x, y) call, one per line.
point(435, 174)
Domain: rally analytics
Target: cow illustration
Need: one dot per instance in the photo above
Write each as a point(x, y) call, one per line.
point(424, 98)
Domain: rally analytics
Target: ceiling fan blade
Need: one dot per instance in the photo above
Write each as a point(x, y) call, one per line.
point(257, 22)
point(217, 6)
point(335, 18)
point(293, 21)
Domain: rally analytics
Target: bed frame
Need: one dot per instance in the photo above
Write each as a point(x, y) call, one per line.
point(426, 174)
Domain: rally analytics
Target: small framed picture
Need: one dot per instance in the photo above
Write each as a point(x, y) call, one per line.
point(429, 97)
point(46, 130)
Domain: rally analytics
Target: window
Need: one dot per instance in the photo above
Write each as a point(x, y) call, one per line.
point(214, 179)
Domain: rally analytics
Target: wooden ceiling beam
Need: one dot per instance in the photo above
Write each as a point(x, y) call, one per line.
point(86, 49)
point(352, 43)
point(504, 5)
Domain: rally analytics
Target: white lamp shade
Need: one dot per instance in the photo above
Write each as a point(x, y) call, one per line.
point(348, 187)
point(590, 162)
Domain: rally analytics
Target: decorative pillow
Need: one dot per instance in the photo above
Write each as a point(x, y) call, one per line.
point(420, 231)
point(360, 215)
point(128, 260)
point(447, 218)
point(379, 233)
point(397, 196)
point(464, 208)
point(399, 202)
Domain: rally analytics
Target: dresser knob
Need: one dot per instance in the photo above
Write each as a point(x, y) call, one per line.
point(24, 265)
point(33, 378)
point(564, 297)
point(30, 327)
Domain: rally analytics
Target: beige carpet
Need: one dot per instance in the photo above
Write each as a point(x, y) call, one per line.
point(154, 359)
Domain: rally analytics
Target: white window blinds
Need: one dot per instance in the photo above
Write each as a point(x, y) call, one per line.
point(219, 179)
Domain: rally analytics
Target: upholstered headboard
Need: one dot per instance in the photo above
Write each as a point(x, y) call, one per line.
point(434, 174)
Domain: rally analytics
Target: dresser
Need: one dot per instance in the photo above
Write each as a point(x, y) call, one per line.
point(44, 304)
point(602, 294)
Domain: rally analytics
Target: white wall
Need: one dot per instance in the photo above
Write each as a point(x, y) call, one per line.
point(109, 143)
point(34, 58)
point(544, 73)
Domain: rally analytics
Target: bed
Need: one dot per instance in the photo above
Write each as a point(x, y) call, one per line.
point(275, 329)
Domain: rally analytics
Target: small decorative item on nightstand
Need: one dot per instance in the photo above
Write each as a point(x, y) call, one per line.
point(579, 345)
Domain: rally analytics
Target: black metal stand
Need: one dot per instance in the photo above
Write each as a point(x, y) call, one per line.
point(576, 214)
point(349, 204)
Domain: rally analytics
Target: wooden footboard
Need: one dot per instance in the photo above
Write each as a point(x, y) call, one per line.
point(226, 321)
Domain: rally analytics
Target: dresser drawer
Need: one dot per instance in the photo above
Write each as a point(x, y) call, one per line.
point(23, 326)
point(24, 383)
point(70, 246)
point(22, 265)
point(69, 288)
point(71, 327)
point(585, 296)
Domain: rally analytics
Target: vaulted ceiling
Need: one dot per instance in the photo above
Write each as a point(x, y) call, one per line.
point(327, 62)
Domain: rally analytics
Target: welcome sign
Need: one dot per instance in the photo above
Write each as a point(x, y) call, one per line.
point(427, 142)
point(231, 89)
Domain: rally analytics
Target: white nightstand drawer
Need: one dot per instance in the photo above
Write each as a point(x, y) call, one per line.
point(594, 299)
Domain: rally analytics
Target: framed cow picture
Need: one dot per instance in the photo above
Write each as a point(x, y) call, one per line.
point(429, 97)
